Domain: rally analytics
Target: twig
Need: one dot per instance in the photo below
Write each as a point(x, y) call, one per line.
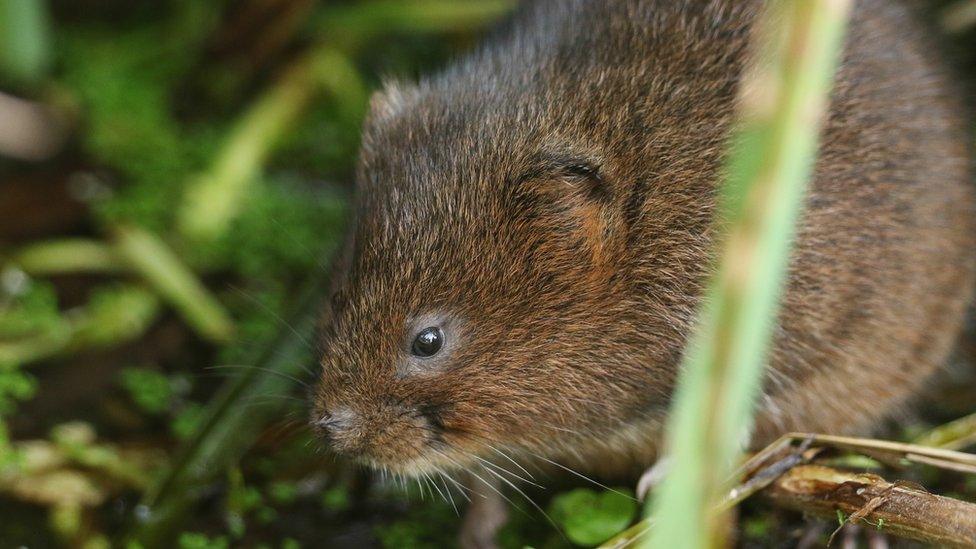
point(895, 451)
point(766, 466)
point(898, 509)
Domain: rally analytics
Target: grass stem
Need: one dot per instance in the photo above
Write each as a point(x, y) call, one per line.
point(783, 99)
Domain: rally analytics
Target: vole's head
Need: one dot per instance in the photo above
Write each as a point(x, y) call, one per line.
point(490, 300)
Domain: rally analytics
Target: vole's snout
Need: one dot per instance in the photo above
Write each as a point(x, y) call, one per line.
point(388, 436)
point(335, 425)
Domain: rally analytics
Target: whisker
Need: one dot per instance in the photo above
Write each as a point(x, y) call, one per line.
point(503, 496)
point(446, 494)
point(420, 486)
point(506, 471)
point(460, 486)
point(515, 463)
point(582, 476)
point(247, 295)
point(483, 481)
point(283, 375)
point(531, 502)
point(433, 484)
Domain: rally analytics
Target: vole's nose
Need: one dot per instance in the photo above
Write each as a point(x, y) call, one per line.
point(356, 433)
point(337, 424)
point(388, 435)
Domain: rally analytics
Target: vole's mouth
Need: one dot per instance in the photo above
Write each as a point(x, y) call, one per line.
point(418, 466)
point(400, 440)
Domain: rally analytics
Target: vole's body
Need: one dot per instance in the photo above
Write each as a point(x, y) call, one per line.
point(549, 202)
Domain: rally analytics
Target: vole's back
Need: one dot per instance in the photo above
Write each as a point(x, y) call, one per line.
point(548, 204)
point(883, 264)
point(883, 269)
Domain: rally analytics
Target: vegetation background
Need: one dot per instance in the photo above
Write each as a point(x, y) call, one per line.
point(174, 175)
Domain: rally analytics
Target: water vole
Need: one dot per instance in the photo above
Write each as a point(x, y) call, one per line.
point(534, 227)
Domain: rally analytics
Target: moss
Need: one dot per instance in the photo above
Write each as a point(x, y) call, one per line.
point(430, 524)
point(194, 540)
point(123, 83)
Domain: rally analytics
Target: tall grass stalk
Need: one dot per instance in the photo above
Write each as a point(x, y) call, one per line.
point(783, 100)
point(216, 197)
point(368, 19)
point(231, 421)
point(25, 40)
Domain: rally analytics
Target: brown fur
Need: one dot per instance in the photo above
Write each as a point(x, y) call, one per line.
point(550, 199)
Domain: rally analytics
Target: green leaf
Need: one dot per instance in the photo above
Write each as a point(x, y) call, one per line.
point(589, 517)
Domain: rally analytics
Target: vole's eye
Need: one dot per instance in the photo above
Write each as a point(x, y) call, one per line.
point(428, 342)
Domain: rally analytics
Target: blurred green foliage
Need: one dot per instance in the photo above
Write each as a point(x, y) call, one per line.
point(243, 118)
point(422, 527)
point(255, 145)
point(160, 111)
point(123, 80)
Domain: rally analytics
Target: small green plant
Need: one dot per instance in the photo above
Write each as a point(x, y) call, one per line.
point(195, 540)
point(589, 517)
point(149, 389)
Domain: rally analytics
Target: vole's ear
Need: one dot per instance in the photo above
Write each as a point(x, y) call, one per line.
point(390, 100)
point(580, 174)
point(586, 177)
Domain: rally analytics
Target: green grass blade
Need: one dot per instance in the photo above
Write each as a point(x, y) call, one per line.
point(232, 421)
point(215, 198)
point(68, 255)
point(25, 40)
point(782, 103)
point(160, 267)
point(412, 16)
